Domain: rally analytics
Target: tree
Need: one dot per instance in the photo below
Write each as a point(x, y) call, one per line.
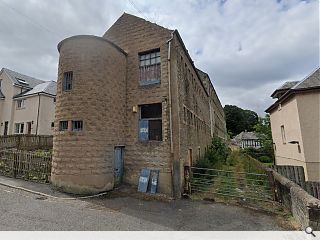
point(239, 120)
point(263, 128)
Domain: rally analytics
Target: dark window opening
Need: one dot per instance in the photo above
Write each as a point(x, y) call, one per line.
point(150, 123)
point(77, 125)
point(63, 126)
point(67, 81)
point(150, 68)
point(52, 124)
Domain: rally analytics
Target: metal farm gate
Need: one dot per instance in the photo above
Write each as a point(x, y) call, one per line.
point(231, 184)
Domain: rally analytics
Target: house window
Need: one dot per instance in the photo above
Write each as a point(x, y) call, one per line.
point(67, 81)
point(20, 104)
point(54, 100)
point(150, 123)
point(52, 124)
point(283, 134)
point(63, 126)
point(150, 68)
point(77, 125)
point(19, 127)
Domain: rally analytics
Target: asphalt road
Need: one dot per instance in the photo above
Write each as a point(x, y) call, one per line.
point(21, 210)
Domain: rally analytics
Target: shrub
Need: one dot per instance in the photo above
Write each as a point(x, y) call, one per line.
point(216, 154)
point(265, 159)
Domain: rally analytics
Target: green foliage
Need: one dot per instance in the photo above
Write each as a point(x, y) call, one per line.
point(239, 120)
point(216, 154)
point(263, 129)
point(265, 159)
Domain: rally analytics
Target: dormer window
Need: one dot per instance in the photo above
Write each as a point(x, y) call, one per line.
point(150, 68)
point(22, 81)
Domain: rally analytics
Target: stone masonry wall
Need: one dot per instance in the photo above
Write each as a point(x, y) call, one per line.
point(136, 35)
point(83, 161)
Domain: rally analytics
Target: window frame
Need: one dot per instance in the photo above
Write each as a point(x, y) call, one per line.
point(67, 81)
point(61, 128)
point(150, 68)
point(144, 123)
point(78, 129)
point(22, 104)
point(19, 127)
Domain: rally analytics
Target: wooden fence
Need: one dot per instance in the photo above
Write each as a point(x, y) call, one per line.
point(26, 142)
point(296, 175)
point(34, 166)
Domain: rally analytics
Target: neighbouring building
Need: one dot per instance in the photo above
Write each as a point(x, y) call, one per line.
point(27, 105)
point(130, 100)
point(247, 140)
point(295, 124)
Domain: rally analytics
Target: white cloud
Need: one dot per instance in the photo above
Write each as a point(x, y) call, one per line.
point(248, 47)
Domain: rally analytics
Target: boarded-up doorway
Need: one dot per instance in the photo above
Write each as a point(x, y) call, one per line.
point(118, 164)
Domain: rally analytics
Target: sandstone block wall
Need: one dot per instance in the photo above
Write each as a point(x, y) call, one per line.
point(83, 161)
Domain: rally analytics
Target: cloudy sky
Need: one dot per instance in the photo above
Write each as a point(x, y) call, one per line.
point(248, 47)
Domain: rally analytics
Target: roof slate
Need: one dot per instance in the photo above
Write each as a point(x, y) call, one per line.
point(246, 135)
point(46, 87)
point(32, 82)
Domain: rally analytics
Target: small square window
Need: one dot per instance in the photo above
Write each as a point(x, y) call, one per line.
point(20, 104)
point(77, 126)
point(63, 126)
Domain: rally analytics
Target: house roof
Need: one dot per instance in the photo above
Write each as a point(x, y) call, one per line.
point(311, 82)
point(46, 88)
point(21, 79)
point(285, 87)
point(246, 136)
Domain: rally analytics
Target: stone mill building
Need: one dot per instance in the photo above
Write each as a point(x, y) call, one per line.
point(130, 100)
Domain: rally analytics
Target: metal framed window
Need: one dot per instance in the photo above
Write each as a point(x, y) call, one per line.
point(63, 126)
point(67, 81)
point(150, 68)
point(77, 125)
point(150, 123)
point(19, 127)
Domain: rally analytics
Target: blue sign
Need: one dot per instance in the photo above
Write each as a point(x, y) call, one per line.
point(143, 130)
point(154, 180)
point(144, 180)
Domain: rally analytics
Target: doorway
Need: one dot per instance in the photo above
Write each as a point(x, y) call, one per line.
point(118, 164)
point(6, 125)
point(28, 128)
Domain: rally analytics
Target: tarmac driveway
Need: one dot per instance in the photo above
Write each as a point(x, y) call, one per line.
point(21, 210)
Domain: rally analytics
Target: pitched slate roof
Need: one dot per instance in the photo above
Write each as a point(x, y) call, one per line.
point(46, 87)
point(246, 136)
point(21, 79)
point(311, 82)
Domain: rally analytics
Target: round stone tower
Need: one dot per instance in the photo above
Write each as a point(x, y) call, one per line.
point(90, 114)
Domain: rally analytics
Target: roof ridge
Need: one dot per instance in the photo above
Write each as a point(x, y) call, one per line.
point(7, 69)
point(146, 20)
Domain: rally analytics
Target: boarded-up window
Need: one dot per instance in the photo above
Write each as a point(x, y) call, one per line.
point(150, 68)
point(150, 123)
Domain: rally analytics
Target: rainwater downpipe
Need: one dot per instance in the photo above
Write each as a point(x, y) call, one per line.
point(38, 115)
point(170, 98)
